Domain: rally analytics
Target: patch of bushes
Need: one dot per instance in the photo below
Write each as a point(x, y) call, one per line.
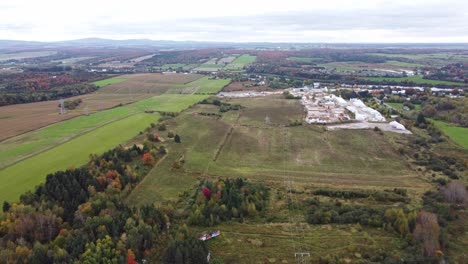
point(327, 214)
point(288, 95)
point(70, 105)
point(220, 200)
point(395, 195)
point(225, 107)
point(210, 114)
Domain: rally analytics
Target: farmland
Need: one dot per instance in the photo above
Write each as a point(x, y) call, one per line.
point(33, 142)
point(315, 157)
point(245, 86)
point(21, 118)
point(342, 66)
point(36, 148)
point(148, 84)
point(399, 106)
point(82, 136)
point(403, 64)
point(304, 59)
point(25, 55)
point(415, 79)
point(458, 134)
point(153, 160)
point(173, 66)
point(240, 62)
point(205, 85)
point(168, 102)
point(240, 144)
point(106, 82)
point(18, 177)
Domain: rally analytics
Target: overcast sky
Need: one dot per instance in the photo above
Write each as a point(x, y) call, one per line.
point(237, 20)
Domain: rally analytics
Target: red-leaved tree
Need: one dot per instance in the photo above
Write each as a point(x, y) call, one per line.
point(206, 192)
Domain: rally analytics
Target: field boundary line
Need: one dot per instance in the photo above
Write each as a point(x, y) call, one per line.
point(226, 137)
point(68, 140)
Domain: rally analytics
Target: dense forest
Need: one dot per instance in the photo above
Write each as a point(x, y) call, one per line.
point(31, 87)
point(79, 216)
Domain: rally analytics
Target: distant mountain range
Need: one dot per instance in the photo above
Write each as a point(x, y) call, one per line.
point(169, 44)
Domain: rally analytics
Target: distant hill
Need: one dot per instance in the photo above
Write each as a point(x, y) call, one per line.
point(170, 44)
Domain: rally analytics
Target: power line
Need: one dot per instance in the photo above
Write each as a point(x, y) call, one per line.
point(301, 255)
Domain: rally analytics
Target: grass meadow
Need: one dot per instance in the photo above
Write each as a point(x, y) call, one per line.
point(109, 81)
point(204, 85)
point(415, 79)
point(457, 133)
point(70, 143)
point(240, 145)
point(24, 175)
point(239, 63)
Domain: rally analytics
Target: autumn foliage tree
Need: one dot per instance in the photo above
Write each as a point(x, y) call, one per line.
point(455, 192)
point(206, 192)
point(148, 159)
point(427, 231)
point(130, 257)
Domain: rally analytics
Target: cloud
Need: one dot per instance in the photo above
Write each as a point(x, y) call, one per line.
point(329, 21)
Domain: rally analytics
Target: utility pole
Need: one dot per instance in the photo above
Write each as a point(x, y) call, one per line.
point(62, 107)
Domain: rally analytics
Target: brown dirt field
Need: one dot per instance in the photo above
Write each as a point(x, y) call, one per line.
point(242, 86)
point(21, 118)
point(153, 83)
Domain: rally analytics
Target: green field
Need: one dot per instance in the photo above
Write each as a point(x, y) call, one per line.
point(24, 175)
point(304, 59)
point(415, 79)
point(239, 144)
point(69, 143)
point(173, 66)
point(168, 102)
point(347, 159)
point(458, 134)
point(109, 81)
point(340, 66)
point(210, 66)
point(399, 106)
point(277, 242)
point(403, 64)
point(205, 85)
point(30, 143)
point(240, 62)
point(25, 55)
point(190, 67)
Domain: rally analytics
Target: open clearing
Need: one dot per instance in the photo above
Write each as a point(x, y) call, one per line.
point(277, 243)
point(173, 66)
point(245, 86)
point(22, 146)
point(75, 152)
point(25, 55)
point(205, 85)
point(415, 79)
point(21, 118)
point(304, 59)
point(26, 174)
point(457, 133)
point(149, 83)
point(240, 144)
point(105, 82)
point(247, 148)
point(168, 102)
point(400, 106)
point(240, 62)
